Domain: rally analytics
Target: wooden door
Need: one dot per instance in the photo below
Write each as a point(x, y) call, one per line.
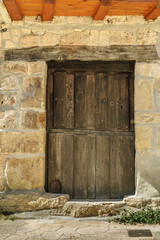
point(91, 129)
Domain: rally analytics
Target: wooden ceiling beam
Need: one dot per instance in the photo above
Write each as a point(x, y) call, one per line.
point(103, 9)
point(154, 12)
point(13, 9)
point(48, 10)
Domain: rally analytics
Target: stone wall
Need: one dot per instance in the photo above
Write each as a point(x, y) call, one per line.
point(23, 92)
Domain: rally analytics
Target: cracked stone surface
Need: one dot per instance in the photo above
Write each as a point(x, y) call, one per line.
point(68, 228)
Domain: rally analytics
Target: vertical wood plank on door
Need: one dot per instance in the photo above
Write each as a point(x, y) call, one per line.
point(69, 101)
point(126, 168)
point(113, 98)
point(89, 101)
point(67, 164)
point(102, 166)
point(101, 99)
point(49, 100)
point(80, 166)
point(131, 101)
point(55, 158)
point(63, 100)
point(114, 167)
point(84, 100)
point(79, 110)
point(59, 93)
point(123, 104)
point(91, 158)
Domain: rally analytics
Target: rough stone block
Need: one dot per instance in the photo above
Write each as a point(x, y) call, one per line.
point(31, 200)
point(148, 69)
point(10, 83)
point(156, 139)
point(32, 19)
point(157, 99)
point(118, 20)
point(121, 38)
point(144, 135)
point(36, 68)
point(79, 20)
point(104, 38)
point(0, 40)
point(2, 166)
point(16, 32)
point(8, 101)
point(6, 35)
point(148, 177)
point(38, 31)
point(8, 119)
point(49, 39)
point(147, 37)
point(155, 70)
point(22, 142)
point(33, 94)
point(142, 69)
point(144, 95)
point(114, 20)
point(157, 85)
point(147, 117)
point(94, 35)
point(15, 67)
point(9, 44)
point(33, 120)
point(25, 173)
point(29, 41)
point(75, 38)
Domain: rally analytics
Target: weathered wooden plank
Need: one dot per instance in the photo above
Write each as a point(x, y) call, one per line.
point(123, 103)
point(80, 167)
point(125, 152)
point(101, 101)
point(48, 10)
point(63, 100)
point(84, 53)
point(13, 9)
point(114, 167)
point(94, 66)
point(54, 159)
point(59, 101)
point(91, 171)
point(69, 101)
point(106, 2)
point(67, 164)
point(102, 11)
point(49, 100)
point(131, 101)
point(79, 110)
point(113, 99)
point(153, 13)
point(121, 166)
point(102, 167)
point(89, 101)
point(84, 100)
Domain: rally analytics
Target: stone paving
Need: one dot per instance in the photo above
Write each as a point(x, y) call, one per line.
point(67, 228)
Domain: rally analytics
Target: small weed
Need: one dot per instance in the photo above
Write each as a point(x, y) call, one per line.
point(143, 216)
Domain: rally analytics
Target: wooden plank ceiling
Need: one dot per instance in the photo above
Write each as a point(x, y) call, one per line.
point(98, 9)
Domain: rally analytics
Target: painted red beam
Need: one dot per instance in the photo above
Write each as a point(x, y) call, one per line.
point(48, 10)
point(13, 9)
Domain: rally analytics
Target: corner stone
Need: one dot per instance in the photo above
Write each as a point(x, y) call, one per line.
point(25, 173)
